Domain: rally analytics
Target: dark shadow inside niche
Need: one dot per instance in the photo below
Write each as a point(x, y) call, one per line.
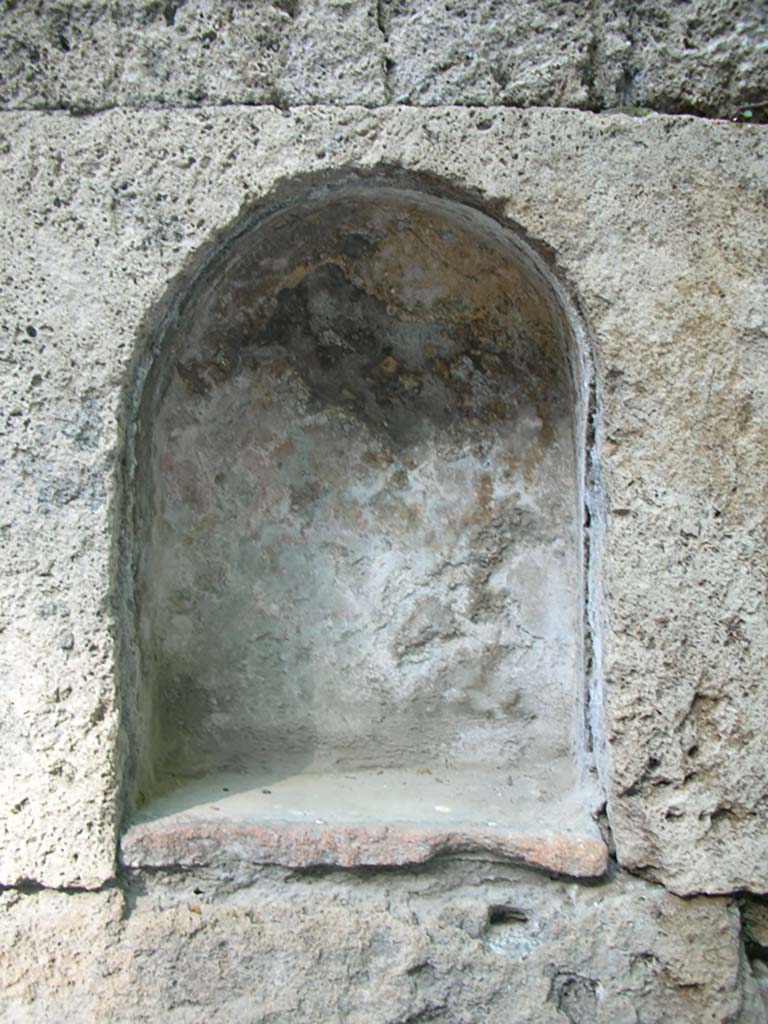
point(357, 525)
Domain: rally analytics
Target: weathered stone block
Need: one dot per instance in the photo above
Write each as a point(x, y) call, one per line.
point(465, 943)
point(654, 223)
point(706, 57)
point(91, 56)
point(692, 57)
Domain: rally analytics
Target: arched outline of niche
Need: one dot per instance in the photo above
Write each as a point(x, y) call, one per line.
point(139, 720)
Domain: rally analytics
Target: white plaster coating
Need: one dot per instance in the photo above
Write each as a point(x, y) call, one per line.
point(358, 537)
point(390, 795)
point(655, 222)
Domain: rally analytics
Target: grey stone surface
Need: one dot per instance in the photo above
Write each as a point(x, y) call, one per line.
point(697, 56)
point(655, 227)
point(656, 224)
point(91, 56)
point(523, 54)
point(708, 57)
point(463, 943)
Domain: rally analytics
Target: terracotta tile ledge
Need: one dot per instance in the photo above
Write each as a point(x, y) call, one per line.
point(202, 842)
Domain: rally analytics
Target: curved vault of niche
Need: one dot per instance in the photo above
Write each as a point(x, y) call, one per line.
point(358, 554)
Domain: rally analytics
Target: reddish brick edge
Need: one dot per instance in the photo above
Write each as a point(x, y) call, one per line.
point(201, 842)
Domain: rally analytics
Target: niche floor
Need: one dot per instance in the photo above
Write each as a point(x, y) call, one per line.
point(368, 817)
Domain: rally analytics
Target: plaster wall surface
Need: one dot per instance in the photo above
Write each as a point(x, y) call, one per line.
point(656, 225)
point(358, 515)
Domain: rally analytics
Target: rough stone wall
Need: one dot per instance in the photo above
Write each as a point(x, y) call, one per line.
point(697, 56)
point(656, 223)
point(464, 942)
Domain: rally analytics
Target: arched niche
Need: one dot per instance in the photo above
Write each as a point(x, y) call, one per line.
point(357, 535)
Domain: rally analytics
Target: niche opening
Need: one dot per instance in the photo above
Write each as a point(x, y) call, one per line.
point(358, 544)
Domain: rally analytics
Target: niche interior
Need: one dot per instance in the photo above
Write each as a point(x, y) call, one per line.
point(357, 536)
